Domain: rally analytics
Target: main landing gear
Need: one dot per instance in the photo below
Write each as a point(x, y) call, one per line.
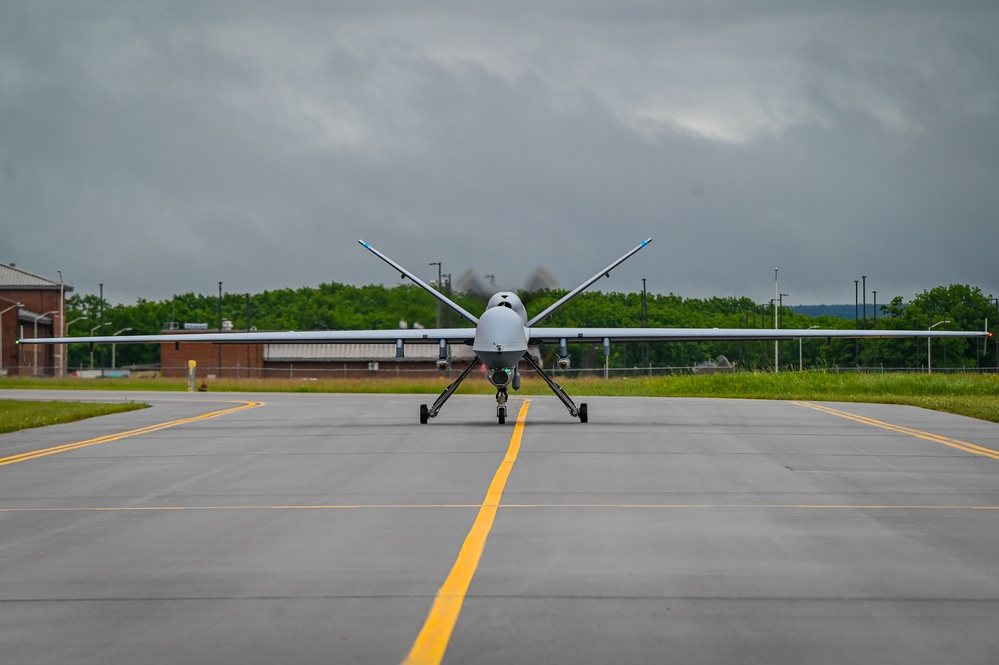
point(501, 379)
point(575, 412)
point(428, 413)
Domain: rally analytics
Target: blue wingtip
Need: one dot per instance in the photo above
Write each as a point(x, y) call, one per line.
point(364, 244)
point(645, 242)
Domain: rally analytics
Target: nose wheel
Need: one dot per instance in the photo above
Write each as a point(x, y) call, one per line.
point(501, 397)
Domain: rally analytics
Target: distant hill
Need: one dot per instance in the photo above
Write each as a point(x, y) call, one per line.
point(841, 311)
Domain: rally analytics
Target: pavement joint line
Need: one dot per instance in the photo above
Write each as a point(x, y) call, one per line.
point(433, 638)
point(928, 436)
point(513, 506)
point(35, 454)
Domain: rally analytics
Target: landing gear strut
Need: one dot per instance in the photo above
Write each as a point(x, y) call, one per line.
point(575, 412)
point(428, 413)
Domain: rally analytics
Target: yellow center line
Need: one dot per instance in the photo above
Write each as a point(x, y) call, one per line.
point(936, 438)
point(432, 641)
point(34, 454)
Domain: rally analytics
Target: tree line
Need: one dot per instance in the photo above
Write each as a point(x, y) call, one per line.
point(337, 306)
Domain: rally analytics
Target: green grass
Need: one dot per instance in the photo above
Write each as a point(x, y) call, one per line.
point(971, 395)
point(17, 415)
point(974, 395)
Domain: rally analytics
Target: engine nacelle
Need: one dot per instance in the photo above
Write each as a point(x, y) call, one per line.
point(563, 362)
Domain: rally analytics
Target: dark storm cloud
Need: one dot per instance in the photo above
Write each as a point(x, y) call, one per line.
point(162, 147)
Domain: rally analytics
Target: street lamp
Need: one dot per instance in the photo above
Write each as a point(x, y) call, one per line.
point(92, 331)
point(65, 333)
point(113, 345)
point(34, 356)
point(14, 306)
point(929, 347)
point(779, 318)
point(61, 348)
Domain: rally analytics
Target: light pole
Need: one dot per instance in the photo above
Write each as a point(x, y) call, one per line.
point(65, 332)
point(780, 315)
point(113, 345)
point(929, 347)
point(61, 349)
point(440, 288)
point(997, 336)
point(645, 324)
point(875, 327)
point(776, 298)
point(220, 329)
point(92, 330)
point(14, 306)
point(864, 277)
point(856, 321)
point(801, 365)
point(34, 356)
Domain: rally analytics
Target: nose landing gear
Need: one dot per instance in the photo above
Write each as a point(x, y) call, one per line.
point(501, 397)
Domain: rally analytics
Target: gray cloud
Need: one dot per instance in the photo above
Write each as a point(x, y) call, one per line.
point(162, 147)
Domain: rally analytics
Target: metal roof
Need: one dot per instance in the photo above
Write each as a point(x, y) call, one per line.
point(356, 352)
point(12, 277)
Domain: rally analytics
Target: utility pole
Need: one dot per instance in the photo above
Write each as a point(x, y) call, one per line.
point(856, 322)
point(62, 327)
point(864, 277)
point(439, 289)
point(447, 291)
point(220, 329)
point(645, 324)
point(249, 372)
point(776, 299)
point(101, 285)
point(875, 363)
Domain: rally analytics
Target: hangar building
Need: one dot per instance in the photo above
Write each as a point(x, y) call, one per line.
point(31, 306)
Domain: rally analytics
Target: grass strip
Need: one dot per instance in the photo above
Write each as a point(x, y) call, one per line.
point(967, 394)
point(17, 415)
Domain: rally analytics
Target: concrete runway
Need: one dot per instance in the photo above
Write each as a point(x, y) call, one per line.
point(336, 528)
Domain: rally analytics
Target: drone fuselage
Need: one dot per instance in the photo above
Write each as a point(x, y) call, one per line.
point(501, 336)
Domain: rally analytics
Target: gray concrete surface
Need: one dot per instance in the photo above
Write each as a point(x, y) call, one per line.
point(318, 528)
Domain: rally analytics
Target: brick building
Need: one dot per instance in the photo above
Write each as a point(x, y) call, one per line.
point(31, 306)
point(300, 360)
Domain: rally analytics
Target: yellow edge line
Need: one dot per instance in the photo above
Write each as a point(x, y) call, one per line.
point(936, 438)
point(35, 454)
point(433, 639)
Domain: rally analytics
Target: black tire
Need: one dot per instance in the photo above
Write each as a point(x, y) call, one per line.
point(501, 416)
point(424, 414)
point(583, 417)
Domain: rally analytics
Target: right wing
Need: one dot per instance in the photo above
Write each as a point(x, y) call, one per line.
point(597, 335)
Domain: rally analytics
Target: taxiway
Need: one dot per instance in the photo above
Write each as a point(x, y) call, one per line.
point(334, 528)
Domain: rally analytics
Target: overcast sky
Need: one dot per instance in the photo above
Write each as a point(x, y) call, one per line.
point(162, 147)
